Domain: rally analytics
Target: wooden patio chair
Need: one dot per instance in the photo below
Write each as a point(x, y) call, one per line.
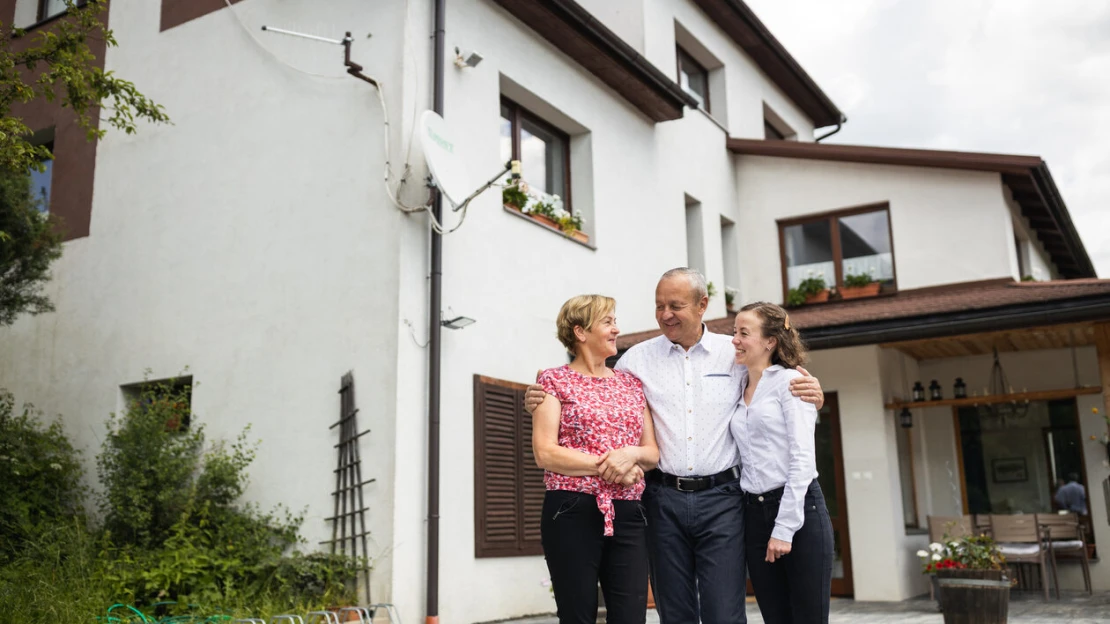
point(982, 523)
point(949, 526)
point(1065, 535)
point(1020, 539)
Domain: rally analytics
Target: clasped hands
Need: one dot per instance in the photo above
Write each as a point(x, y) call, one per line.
point(620, 466)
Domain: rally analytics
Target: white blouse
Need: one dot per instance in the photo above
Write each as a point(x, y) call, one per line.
point(775, 438)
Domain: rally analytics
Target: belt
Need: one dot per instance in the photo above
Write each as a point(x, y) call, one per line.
point(694, 484)
point(766, 498)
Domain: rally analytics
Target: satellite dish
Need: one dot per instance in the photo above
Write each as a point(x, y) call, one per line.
point(441, 152)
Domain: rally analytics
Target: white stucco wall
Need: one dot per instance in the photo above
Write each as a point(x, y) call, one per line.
point(249, 241)
point(883, 564)
point(747, 87)
point(947, 226)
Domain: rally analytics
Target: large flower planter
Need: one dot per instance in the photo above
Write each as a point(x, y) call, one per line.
point(820, 297)
point(856, 292)
point(973, 596)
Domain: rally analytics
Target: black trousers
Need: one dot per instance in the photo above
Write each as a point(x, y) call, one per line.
point(696, 543)
point(579, 555)
point(795, 589)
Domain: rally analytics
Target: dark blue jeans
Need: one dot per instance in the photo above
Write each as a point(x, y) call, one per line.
point(794, 589)
point(696, 549)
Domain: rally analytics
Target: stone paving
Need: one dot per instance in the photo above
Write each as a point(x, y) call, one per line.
point(1025, 608)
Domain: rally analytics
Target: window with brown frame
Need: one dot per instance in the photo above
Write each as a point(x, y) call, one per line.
point(693, 77)
point(52, 8)
point(836, 245)
point(542, 149)
point(508, 486)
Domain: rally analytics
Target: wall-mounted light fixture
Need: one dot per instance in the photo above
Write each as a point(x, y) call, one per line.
point(905, 418)
point(470, 59)
point(458, 322)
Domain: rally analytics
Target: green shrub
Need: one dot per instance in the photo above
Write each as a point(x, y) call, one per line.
point(40, 475)
point(173, 527)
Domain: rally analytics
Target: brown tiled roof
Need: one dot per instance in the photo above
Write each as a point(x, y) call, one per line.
point(1028, 178)
point(579, 35)
point(980, 300)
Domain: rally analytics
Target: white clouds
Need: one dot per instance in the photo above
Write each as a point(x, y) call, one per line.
point(1014, 76)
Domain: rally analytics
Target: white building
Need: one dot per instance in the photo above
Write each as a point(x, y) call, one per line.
point(253, 242)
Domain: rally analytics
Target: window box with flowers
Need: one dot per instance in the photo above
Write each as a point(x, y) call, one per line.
point(858, 286)
point(969, 578)
point(811, 290)
point(545, 209)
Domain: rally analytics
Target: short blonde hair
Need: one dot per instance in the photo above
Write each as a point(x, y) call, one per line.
point(581, 311)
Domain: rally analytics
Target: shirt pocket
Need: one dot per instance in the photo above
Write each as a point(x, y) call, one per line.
point(720, 389)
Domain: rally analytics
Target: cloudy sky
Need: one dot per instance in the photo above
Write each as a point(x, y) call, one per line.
point(1010, 76)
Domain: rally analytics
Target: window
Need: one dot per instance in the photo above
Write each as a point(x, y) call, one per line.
point(905, 472)
point(1014, 463)
point(695, 235)
point(51, 8)
point(837, 245)
point(508, 486)
point(543, 151)
point(693, 78)
point(775, 127)
point(730, 257)
point(172, 398)
point(41, 182)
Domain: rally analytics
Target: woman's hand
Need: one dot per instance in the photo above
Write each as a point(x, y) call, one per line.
point(775, 549)
point(633, 477)
point(616, 464)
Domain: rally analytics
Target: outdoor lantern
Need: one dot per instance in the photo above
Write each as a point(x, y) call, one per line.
point(905, 418)
point(959, 390)
point(934, 391)
point(918, 391)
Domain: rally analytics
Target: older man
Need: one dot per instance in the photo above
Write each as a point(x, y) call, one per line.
point(693, 500)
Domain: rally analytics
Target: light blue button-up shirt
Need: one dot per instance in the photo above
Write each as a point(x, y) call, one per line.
point(775, 437)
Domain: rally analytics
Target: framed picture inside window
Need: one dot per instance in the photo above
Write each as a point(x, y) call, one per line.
point(1009, 470)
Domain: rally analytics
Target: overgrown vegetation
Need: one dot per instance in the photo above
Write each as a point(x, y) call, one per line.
point(170, 525)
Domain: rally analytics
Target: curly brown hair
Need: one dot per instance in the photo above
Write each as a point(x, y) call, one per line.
point(790, 352)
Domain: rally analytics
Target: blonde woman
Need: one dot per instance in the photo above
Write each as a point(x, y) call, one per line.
point(787, 532)
point(593, 436)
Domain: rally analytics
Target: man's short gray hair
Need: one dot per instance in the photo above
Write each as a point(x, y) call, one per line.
point(696, 279)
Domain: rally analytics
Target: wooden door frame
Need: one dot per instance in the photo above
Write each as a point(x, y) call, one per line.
point(847, 586)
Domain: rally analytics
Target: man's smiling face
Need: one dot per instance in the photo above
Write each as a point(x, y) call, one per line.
point(679, 310)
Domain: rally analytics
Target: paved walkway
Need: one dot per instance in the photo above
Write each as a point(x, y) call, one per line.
point(1077, 608)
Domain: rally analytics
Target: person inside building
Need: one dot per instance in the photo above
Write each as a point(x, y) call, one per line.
point(1072, 496)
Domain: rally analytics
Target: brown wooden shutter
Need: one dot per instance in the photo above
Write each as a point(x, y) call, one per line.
point(508, 487)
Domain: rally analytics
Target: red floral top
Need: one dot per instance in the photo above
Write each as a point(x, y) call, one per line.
point(599, 414)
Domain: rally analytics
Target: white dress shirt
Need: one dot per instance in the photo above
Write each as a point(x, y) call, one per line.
point(775, 438)
point(692, 395)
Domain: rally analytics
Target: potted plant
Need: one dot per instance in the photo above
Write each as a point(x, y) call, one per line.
point(730, 299)
point(811, 290)
point(971, 583)
point(547, 209)
point(859, 285)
